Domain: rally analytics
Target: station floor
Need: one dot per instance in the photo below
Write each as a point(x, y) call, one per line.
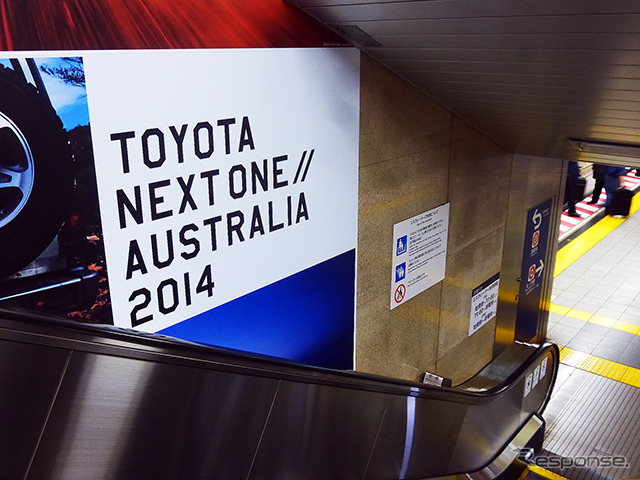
point(593, 418)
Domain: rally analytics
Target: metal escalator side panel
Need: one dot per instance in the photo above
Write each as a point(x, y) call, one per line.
point(125, 418)
point(416, 446)
point(130, 407)
point(488, 428)
point(317, 432)
point(29, 379)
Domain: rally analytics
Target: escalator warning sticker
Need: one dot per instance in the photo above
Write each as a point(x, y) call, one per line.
point(536, 376)
point(528, 384)
point(543, 368)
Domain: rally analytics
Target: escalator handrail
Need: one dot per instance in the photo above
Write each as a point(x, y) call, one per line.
point(51, 330)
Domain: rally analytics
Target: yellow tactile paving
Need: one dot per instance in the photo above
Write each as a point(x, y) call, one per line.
point(543, 472)
point(578, 247)
point(631, 377)
point(590, 363)
point(579, 314)
point(597, 319)
point(626, 327)
point(600, 366)
point(604, 321)
point(559, 309)
point(605, 368)
point(572, 357)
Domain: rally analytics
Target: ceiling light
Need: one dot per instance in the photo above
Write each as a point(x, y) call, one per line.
point(631, 150)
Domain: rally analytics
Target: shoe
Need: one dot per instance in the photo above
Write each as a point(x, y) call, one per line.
point(592, 202)
point(574, 214)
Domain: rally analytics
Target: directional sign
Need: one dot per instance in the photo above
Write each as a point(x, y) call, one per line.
point(532, 274)
point(539, 268)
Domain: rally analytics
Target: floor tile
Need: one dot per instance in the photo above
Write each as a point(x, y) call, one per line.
point(608, 353)
point(626, 337)
point(593, 330)
point(612, 313)
point(582, 345)
point(573, 323)
point(565, 302)
point(630, 360)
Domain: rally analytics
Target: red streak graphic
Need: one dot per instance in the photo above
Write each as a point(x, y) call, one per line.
point(68, 15)
point(5, 41)
point(140, 24)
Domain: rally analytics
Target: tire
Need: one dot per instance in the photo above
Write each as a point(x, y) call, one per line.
point(36, 177)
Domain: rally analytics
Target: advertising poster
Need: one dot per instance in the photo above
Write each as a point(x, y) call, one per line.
point(419, 254)
point(209, 195)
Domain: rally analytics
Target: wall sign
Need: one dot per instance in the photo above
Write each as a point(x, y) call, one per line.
point(419, 254)
point(532, 273)
point(484, 303)
point(213, 169)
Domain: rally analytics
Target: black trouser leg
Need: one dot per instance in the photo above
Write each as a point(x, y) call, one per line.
point(597, 190)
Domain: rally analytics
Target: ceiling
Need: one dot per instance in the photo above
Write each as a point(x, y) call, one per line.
point(531, 74)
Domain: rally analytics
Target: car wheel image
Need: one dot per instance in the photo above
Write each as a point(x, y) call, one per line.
point(36, 177)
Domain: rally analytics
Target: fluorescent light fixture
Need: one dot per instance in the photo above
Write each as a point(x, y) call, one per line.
point(631, 150)
point(356, 35)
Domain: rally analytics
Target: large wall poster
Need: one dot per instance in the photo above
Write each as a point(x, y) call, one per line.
point(227, 184)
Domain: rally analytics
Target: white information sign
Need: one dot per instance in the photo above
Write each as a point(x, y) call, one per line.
point(419, 254)
point(484, 303)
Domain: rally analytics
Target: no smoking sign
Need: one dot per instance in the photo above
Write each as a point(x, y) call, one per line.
point(400, 293)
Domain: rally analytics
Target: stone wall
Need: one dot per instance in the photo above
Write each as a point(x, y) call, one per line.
point(414, 156)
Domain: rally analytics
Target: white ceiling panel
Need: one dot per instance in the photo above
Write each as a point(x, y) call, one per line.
point(532, 74)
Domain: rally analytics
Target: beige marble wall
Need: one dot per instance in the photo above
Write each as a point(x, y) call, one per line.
point(414, 156)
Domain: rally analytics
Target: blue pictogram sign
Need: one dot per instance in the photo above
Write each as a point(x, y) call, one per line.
point(401, 247)
point(401, 271)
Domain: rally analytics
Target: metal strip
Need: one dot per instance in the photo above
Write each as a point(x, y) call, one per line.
point(44, 424)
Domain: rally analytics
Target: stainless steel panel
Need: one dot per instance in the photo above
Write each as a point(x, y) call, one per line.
point(411, 428)
point(29, 379)
point(486, 427)
point(315, 431)
point(121, 418)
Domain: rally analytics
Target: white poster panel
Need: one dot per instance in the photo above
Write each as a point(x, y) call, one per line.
point(484, 303)
point(419, 254)
point(220, 172)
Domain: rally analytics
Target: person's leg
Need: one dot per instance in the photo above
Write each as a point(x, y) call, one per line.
point(597, 190)
point(572, 201)
point(611, 184)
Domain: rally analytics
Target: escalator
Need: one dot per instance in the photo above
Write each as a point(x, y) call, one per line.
point(91, 402)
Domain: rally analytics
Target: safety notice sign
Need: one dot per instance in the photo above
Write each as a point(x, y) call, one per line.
point(419, 254)
point(484, 303)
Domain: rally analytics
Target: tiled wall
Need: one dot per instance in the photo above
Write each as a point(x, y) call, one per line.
point(414, 156)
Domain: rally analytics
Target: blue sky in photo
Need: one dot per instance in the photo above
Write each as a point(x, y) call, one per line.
point(69, 101)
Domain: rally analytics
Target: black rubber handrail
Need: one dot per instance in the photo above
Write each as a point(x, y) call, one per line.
point(261, 365)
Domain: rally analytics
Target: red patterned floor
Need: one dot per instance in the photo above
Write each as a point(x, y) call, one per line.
point(570, 224)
